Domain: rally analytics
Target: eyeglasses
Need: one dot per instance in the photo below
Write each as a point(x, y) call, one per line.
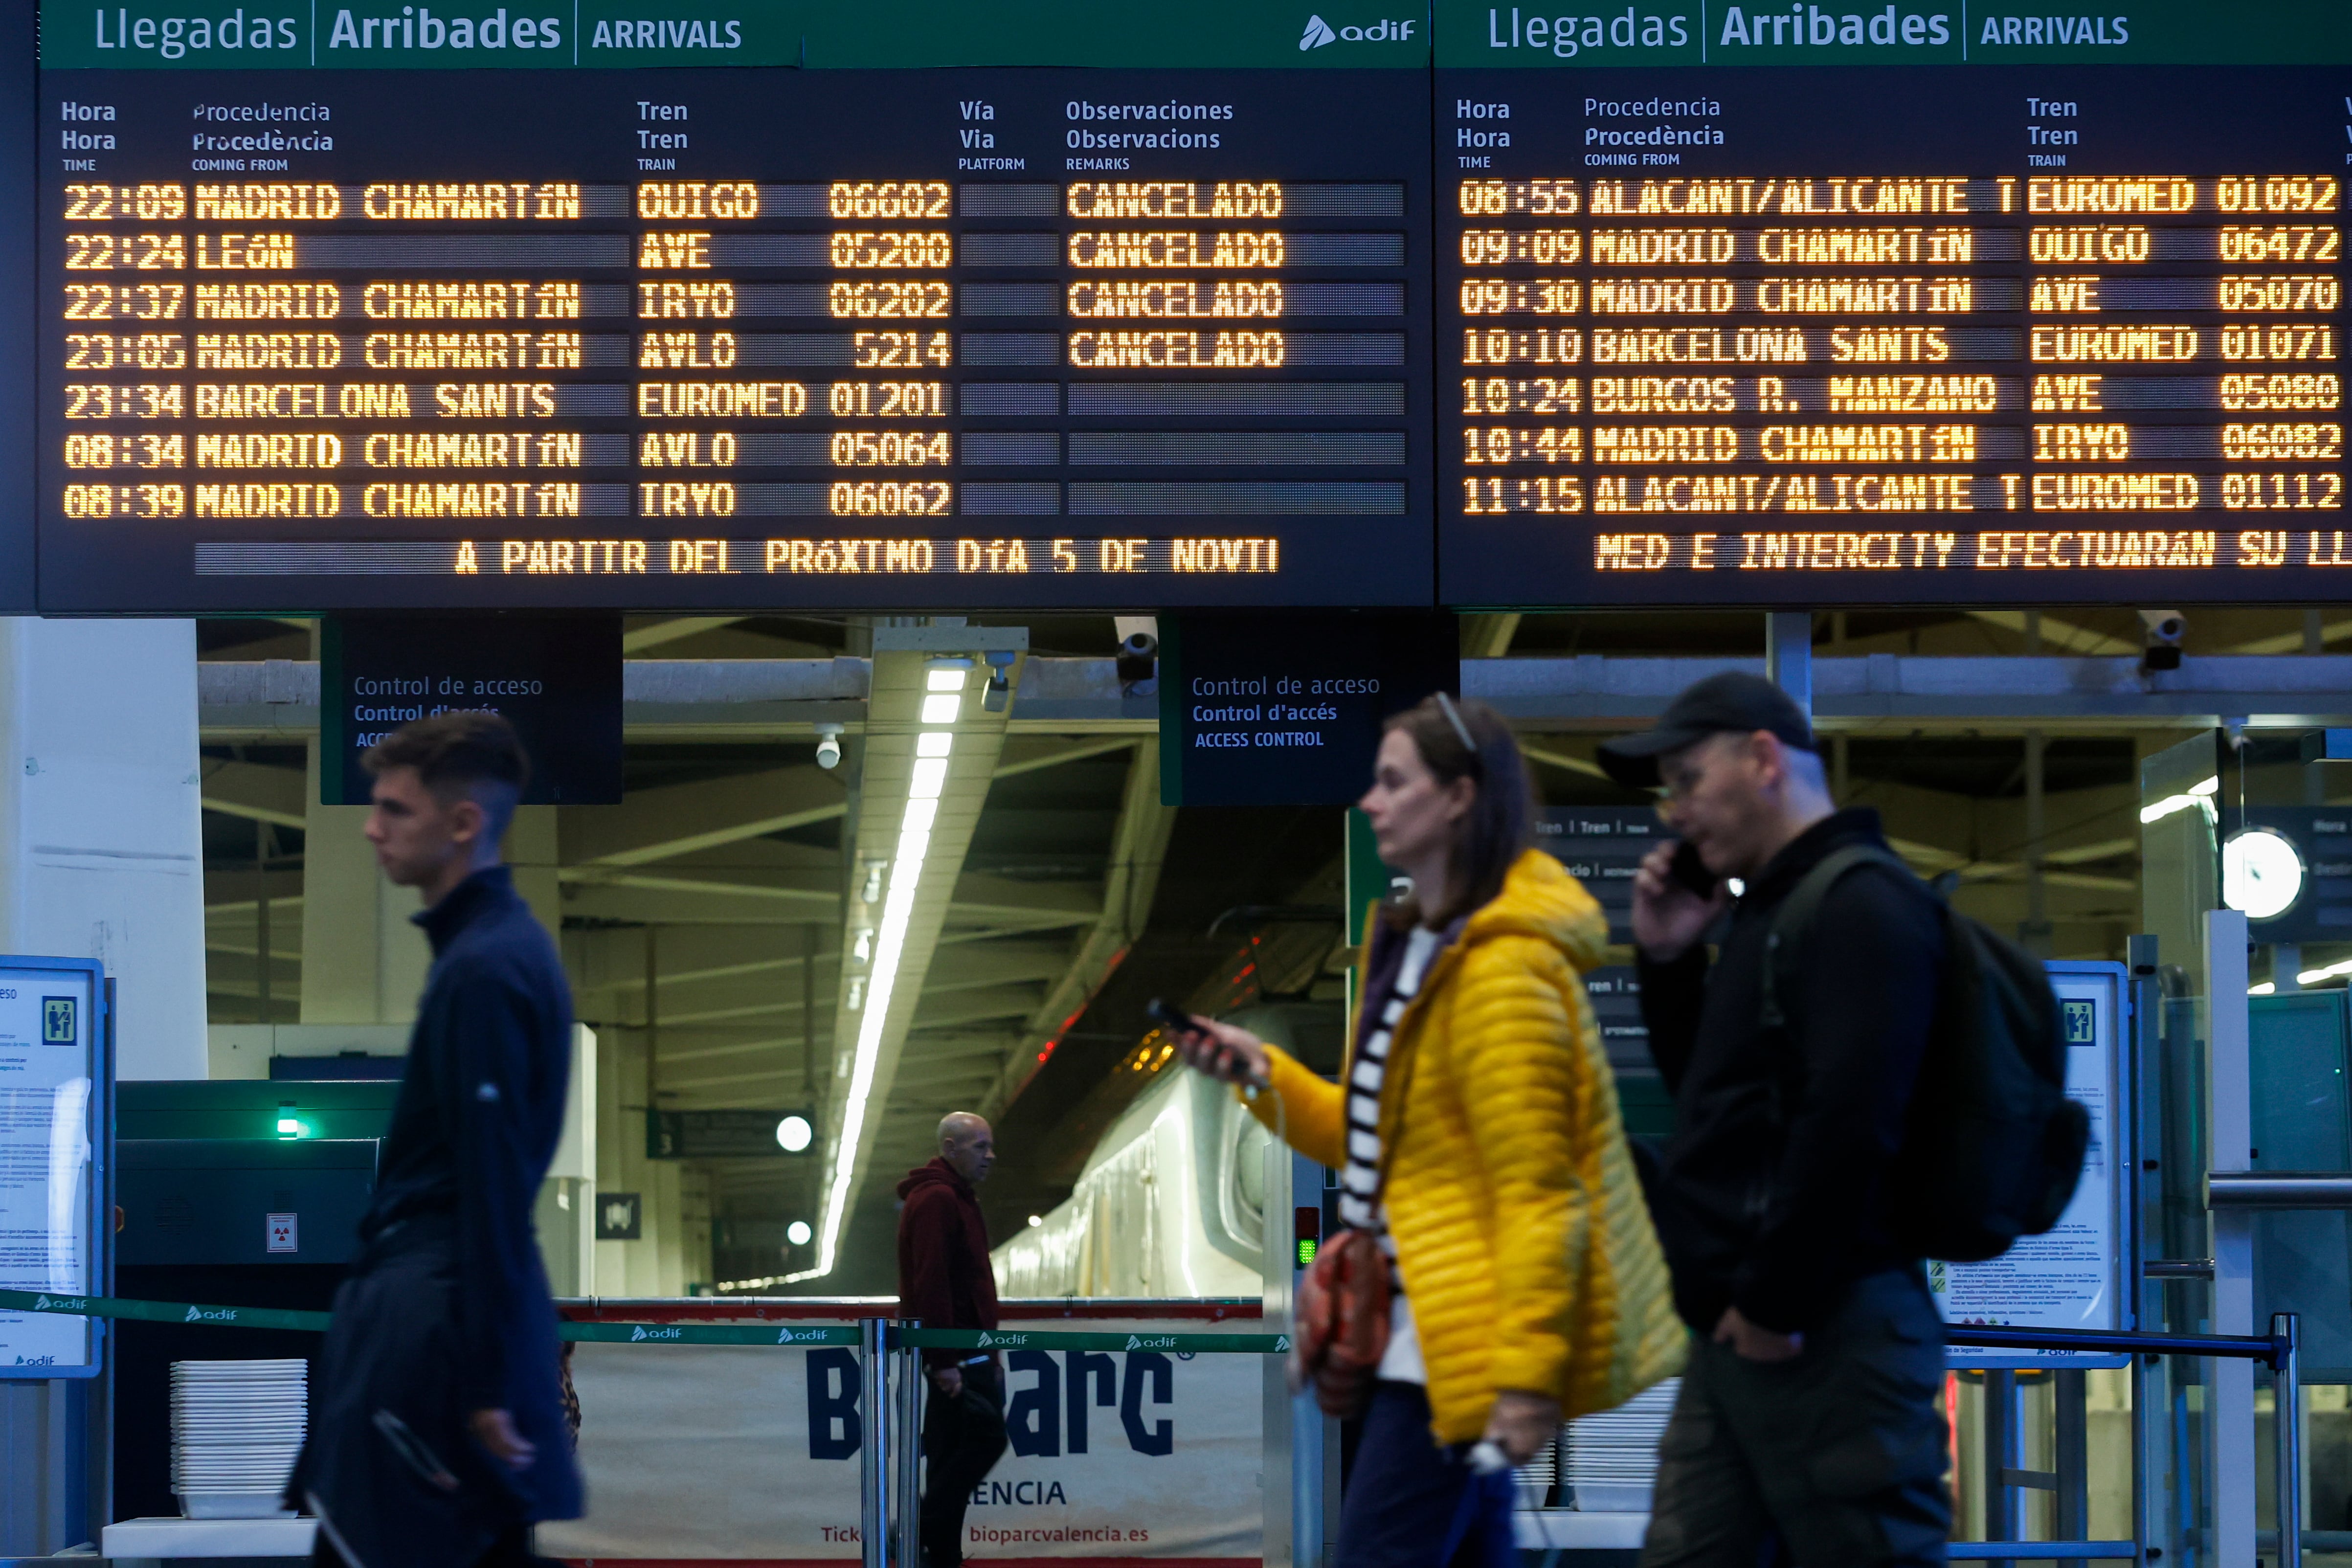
point(1680, 785)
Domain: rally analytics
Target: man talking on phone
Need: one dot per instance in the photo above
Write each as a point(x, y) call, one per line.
point(1809, 1412)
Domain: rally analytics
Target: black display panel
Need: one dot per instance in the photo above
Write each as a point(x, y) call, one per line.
point(712, 339)
point(1812, 335)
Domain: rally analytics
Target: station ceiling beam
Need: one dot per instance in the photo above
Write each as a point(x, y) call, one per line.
point(691, 700)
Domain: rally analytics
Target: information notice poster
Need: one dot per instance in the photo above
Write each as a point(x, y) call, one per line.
point(2077, 1275)
point(52, 1100)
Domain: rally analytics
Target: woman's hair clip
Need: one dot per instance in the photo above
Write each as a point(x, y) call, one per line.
point(1453, 717)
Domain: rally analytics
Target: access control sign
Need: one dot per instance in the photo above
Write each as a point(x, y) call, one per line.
point(1260, 711)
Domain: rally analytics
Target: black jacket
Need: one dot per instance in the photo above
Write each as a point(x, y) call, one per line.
point(479, 1115)
point(448, 1311)
point(1777, 1209)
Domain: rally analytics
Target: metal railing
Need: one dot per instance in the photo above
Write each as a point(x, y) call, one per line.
point(2278, 1350)
point(893, 1415)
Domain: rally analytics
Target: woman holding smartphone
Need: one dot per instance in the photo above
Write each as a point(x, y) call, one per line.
point(1475, 1130)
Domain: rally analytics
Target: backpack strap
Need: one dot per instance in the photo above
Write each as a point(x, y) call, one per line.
point(1792, 922)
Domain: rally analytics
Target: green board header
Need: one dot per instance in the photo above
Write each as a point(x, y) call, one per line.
point(1198, 34)
point(1906, 32)
point(303, 34)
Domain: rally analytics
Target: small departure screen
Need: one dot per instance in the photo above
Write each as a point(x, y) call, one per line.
point(1778, 328)
point(678, 336)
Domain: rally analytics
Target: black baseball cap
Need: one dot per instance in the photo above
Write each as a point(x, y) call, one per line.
point(1734, 702)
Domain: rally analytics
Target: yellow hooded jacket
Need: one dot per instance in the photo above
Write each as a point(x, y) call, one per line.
point(1521, 1233)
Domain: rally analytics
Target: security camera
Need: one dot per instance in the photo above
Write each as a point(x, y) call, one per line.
point(828, 745)
point(2160, 632)
point(1138, 657)
point(998, 696)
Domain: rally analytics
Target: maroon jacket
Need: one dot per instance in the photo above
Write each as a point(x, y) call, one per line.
point(944, 1278)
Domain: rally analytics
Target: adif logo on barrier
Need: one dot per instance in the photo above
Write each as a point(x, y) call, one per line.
point(642, 1333)
point(1319, 32)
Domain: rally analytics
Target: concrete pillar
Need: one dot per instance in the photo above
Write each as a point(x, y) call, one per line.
point(101, 842)
point(530, 850)
point(364, 962)
point(673, 1247)
point(363, 959)
point(101, 856)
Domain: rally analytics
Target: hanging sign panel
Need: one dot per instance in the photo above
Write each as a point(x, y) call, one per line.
point(2079, 1275)
point(911, 305)
point(1829, 304)
point(53, 1072)
point(1256, 711)
point(556, 678)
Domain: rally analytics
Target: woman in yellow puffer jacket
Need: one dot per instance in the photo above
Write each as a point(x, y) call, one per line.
point(1475, 1130)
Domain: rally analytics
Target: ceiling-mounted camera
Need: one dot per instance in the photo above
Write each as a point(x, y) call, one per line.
point(2160, 632)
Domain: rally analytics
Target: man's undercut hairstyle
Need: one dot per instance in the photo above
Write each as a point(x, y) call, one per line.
point(469, 754)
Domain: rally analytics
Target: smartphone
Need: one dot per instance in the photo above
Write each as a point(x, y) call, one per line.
point(1690, 871)
point(1174, 1019)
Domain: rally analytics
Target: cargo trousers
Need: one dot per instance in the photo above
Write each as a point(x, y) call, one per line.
point(1839, 1453)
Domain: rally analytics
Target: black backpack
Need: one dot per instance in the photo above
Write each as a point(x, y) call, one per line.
point(1993, 1147)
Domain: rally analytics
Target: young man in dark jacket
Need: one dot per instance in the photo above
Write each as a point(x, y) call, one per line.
point(1810, 1408)
point(439, 1437)
point(945, 1282)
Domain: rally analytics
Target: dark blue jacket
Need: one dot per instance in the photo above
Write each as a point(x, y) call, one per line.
point(480, 1113)
point(448, 1311)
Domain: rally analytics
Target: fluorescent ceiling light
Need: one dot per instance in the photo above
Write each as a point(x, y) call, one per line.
point(890, 942)
point(939, 678)
point(2261, 988)
point(934, 743)
point(931, 776)
point(944, 708)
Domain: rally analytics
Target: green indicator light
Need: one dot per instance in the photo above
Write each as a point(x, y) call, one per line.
point(288, 1125)
point(1305, 1251)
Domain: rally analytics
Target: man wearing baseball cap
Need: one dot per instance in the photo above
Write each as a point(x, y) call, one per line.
point(1810, 1409)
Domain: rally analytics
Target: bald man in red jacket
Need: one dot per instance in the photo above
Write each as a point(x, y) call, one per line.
point(945, 1282)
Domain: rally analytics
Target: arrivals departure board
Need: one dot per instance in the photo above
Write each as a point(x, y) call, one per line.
point(910, 306)
point(1825, 304)
point(898, 306)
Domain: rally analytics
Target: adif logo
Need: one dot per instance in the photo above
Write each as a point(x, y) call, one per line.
point(643, 1333)
point(1319, 32)
point(1150, 1341)
point(785, 1336)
